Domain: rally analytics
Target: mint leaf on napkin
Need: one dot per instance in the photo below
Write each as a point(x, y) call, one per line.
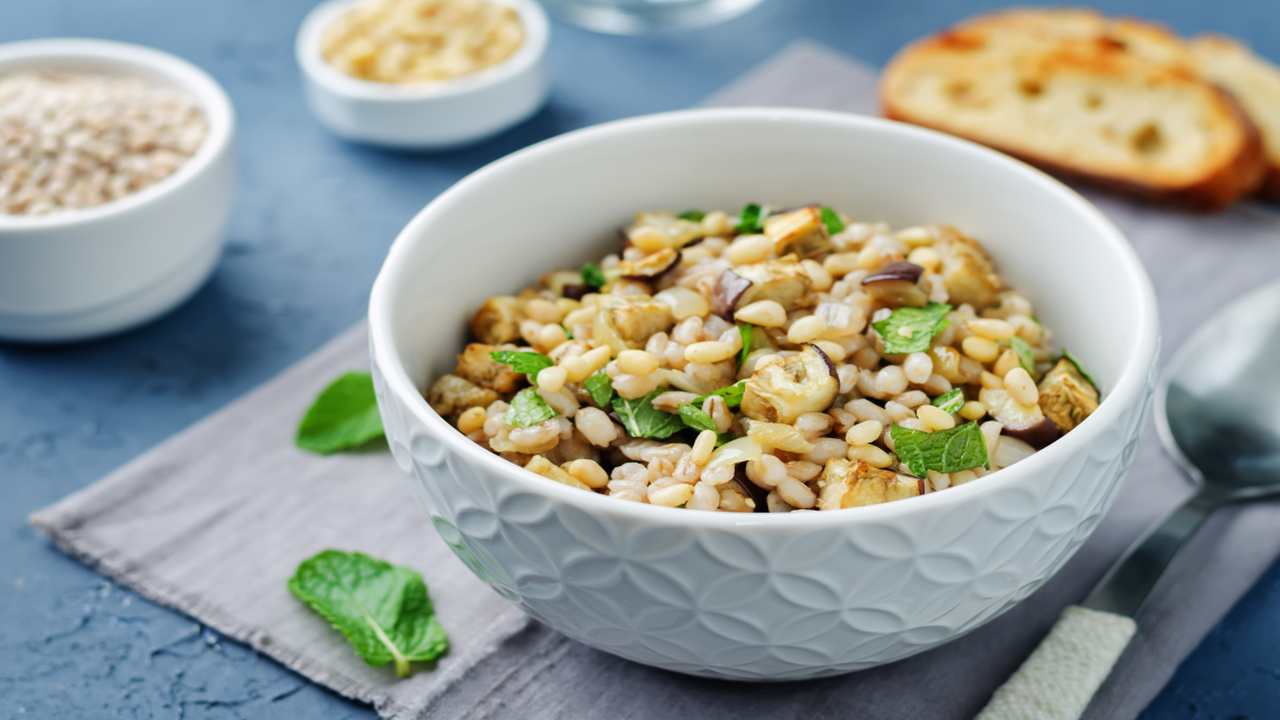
point(344, 416)
point(960, 448)
point(910, 329)
point(382, 609)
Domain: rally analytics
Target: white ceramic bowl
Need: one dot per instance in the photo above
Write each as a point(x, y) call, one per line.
point(425, 117)
point(81, 273)
point(759, 596)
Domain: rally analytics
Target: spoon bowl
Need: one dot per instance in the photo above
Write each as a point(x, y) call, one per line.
point(1218, 408)
point(1218, 413)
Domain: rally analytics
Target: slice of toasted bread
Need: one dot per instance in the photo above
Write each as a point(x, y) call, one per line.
point(1256, 84)
point(1113, 101)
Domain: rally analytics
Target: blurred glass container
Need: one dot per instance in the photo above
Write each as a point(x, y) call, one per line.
point(628, 17)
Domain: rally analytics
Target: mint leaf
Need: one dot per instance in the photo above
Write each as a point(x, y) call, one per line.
point(1080, 369)
point(592, 276)
point(960, 448)
point(525, 362)
point(1026, 356)
point(692, 215)
point(696, 418)
point(732, 394)
point(751, 219)
point(832, 220)
point(528, 409)
point(747, 333)
point(950, 401)
point(382, 609)
point(642, 420)
point(910, 329)
point(600, 387)
point(344, 416)
point(692, 414)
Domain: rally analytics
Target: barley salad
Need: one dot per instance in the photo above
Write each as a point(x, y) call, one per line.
point(767, 361)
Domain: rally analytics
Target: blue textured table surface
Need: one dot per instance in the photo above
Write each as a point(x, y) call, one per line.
point(312, 222)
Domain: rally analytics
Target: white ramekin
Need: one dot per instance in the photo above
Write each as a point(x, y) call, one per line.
point(760, 596)
point(82, 273)
point(425, 117)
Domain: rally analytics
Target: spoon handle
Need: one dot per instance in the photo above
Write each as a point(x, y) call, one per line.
point(1130, 580)
point(1061, 676)
point(1059, 679)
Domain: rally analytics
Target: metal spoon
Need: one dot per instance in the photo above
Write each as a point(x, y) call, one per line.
point(1218, 413)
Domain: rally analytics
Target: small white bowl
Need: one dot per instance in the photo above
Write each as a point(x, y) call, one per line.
point(760, 596)
point(426, 117)
point(76, 274)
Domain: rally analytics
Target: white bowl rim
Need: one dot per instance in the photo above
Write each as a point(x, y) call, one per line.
point(307, 49)
point(1126, 391)
point(212, 99)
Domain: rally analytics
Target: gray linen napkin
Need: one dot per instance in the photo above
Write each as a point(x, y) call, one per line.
point(212, 521)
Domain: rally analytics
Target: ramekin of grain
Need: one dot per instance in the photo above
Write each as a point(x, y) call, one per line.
point(116, 178)
point(423, 74)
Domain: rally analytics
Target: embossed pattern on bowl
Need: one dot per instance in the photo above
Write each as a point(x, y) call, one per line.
point(761, 597)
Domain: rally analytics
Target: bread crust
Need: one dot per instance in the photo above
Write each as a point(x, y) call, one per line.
point(1238, 175)
point(1206, 50)
point(1271, 185)
point(1213, 193)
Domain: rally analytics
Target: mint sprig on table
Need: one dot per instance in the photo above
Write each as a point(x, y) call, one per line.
point(911, 329)
point(960, 448)
point(382, 609)
point(343, 417)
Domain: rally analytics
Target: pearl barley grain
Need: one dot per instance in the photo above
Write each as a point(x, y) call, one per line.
point(807, 411)
point(551, 379)
point(710, 351)
point(935, 418)
point(806, 328)
point(589, 472)
point(1021, 387)
point(75, 140)
point(765, 313)
point(637, 362)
